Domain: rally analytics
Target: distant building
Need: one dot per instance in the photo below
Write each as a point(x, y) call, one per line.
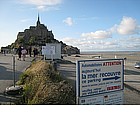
point(35, 35)
point(5, 50)
point(38, 36)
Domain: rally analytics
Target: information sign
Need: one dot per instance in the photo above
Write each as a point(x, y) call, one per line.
point(48, 50)
point(52, 50)
point(95, 77)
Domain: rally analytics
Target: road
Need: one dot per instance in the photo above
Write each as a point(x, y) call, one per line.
point(6, 73)
point(131, 75)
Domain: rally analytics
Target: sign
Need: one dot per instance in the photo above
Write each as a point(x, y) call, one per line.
point(95, 77)
point(48, 50)
point(52, 51)
point(43, 50)
point(103, 99)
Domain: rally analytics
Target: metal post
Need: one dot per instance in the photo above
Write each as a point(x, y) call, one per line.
point(44, 57)
point(52, 57)
point(14, 71)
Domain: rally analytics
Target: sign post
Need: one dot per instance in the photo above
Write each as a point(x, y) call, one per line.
point(97, 79)
point(44, 52)
point(14, 71)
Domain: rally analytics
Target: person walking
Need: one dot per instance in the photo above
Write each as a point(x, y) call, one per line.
point(24, 52)
point(19, 53)
point(35, 51)
point(30, 51)
point(4, 52)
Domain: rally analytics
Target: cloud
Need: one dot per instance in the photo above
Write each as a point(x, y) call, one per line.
point(110, 43)
point(42, 8)
point(104, 40)
point(91, 45)
point(128, 26)
point(42, 4)
point(68, 21)
point(131, 42)
point(84, 44)
point(97, 35)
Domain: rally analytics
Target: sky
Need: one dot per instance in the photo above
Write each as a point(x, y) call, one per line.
point(90, 25)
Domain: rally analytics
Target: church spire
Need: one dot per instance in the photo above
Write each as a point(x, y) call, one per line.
point(38, 21)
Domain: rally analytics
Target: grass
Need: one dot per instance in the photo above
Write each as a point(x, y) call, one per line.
point(43, 85)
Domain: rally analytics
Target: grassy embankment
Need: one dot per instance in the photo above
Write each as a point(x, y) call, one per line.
point(43, 85)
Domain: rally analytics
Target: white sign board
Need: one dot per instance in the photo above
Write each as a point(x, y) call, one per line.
point(99, 76)
point(48, 50)
point(113, 98)
point(52, 50)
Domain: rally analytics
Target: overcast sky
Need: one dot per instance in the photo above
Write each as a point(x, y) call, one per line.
point(91, 25)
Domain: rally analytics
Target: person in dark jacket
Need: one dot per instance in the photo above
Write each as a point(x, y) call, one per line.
point(35, 52)
point(19, 52)
point(30, 51)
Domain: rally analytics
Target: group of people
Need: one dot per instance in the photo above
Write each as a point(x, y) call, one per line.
point(22, 52)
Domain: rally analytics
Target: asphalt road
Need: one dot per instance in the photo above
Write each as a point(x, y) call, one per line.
point(132, 76)
point(6, 73)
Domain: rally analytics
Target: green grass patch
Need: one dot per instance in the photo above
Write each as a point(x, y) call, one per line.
point(43, 85)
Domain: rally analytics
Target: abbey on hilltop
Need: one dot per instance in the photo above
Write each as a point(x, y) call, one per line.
point(38, 36)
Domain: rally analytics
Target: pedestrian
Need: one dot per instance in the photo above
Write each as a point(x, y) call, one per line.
point(30, 51)
point(24, 52)
point(4, 52)
point(19, 53)
point(35, 52)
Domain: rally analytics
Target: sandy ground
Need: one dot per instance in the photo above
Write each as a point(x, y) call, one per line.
point(131, 57)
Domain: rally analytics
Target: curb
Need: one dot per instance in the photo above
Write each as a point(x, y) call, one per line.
point(131, 88)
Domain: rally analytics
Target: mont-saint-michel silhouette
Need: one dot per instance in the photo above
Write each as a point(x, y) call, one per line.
point(39, 35)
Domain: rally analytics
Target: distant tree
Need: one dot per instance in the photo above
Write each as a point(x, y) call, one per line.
point(13, 45)
point(32, 41)
point(48, 40)
point(21, 40)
